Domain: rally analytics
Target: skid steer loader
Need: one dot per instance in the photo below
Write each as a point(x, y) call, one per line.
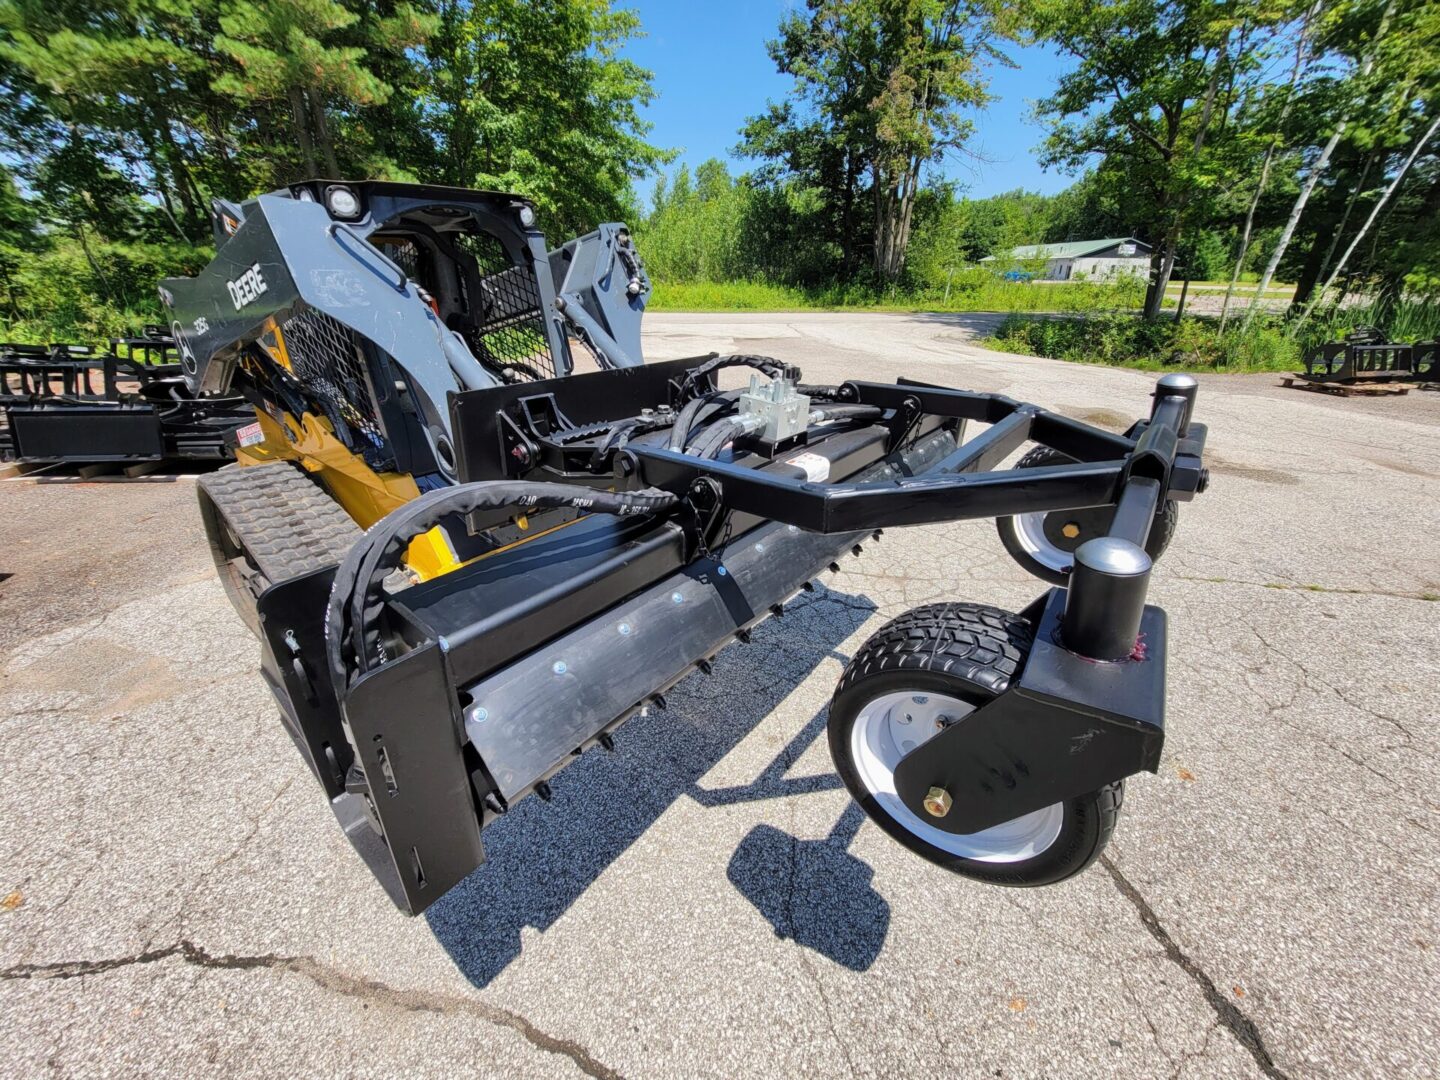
point(468, 562)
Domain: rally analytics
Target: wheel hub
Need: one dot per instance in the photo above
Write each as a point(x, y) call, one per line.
point(891, 726)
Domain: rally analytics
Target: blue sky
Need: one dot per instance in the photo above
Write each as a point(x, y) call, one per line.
point(712, 71)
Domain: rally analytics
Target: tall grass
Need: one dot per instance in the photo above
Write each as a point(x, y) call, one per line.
point(1269, 343)
point(1193, 344)
point(968, 291)
point(1408, 320)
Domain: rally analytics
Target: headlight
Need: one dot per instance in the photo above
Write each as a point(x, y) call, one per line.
point(342, 202)
point(527, 216)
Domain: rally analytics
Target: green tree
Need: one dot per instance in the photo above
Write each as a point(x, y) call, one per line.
point(1150, 96)
point(298, 54)
point(534, 96)
point(122, 84)
point(20, 238)
point(881, 90)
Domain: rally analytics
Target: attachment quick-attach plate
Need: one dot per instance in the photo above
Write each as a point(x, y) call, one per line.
point(1066, 726)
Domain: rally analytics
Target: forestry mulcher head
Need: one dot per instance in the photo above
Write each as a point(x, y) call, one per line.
point(545, 557)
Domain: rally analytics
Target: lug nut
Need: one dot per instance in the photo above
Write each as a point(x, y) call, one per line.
point(937, 802)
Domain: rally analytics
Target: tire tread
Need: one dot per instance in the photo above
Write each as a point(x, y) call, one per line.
point(983, 648)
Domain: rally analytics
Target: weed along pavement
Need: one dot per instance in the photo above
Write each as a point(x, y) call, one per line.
point(707, 901)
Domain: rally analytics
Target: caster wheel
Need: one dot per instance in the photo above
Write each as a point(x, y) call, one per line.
point(1044, 542)
point(894, 696)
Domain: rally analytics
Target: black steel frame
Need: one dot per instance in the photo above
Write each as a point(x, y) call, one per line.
point(1161, 458)
point(413, 785)
point(66, 403)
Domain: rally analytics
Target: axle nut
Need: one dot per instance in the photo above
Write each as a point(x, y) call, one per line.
point(937, 802)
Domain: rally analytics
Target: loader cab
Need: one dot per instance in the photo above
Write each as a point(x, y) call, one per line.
point(479, 258)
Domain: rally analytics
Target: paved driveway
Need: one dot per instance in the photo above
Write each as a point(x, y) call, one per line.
point(706, 901)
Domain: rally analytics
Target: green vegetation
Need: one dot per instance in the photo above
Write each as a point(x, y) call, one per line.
point(976, 291)
point(1199, 344)
point(1189, 345)
point(1247, 142)
point(121, 121)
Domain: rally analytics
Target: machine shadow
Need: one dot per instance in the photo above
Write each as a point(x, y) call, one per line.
point(814, 892)
point(541, 857)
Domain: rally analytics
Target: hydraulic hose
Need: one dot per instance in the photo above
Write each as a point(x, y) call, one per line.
point(829, 413)
point(626, 430)
point(709, 443)
point(357, 595)
point(766, 364)
point(686, 420)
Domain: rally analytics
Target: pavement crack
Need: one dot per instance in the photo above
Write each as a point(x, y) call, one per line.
point(1285, 586)
point(1236, 1022)
point(371, 991)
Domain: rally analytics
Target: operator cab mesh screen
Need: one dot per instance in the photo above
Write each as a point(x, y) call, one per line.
point(326, 360)
point(403, 253)
point(505, 316)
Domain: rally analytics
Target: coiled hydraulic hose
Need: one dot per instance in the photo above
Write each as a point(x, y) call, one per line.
point(357, 596)
point(766, 364)
point(686, 420)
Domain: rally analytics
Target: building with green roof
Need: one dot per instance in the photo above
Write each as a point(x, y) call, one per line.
point(1095, 260)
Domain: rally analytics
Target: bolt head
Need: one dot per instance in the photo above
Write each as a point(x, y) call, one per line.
point(937, 802)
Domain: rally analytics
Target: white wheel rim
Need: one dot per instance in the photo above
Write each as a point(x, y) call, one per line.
point(1030, 530)
point(892, 725)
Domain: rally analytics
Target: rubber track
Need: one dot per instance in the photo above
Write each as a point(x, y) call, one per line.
point(287, 524)
point(980, 644)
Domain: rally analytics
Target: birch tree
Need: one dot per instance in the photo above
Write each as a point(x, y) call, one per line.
point(1367, 65)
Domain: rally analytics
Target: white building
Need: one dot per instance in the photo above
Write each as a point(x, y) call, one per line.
point(1097, 260)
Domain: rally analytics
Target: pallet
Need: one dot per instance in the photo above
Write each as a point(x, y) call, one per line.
point(1376, 389)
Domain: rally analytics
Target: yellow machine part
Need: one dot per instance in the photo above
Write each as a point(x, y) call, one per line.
point(367, 496)
point(364, 494)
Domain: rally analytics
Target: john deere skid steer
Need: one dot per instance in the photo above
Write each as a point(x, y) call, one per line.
point(468, 562)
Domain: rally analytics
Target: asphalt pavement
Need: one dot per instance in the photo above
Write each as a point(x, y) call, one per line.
point(175, 899)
